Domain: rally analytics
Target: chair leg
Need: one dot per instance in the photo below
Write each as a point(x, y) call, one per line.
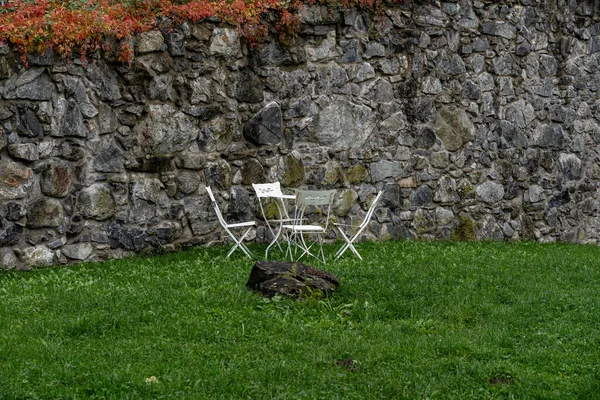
point(274, 241)
point(348, 245)
point(351, 246)
point(239, 243)
point(341, 251)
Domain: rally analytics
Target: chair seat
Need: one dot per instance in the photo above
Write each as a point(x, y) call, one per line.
point(305, 228)
point(241, 224)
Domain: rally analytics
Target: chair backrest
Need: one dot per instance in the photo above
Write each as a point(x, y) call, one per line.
point(306, 198)
point(273, 190)
point(267, 189)
point(216, 206)
point(371, 209)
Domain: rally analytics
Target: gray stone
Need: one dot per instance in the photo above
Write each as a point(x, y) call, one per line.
point(15, 180)
point(549, 135)
point(480, 44)
point(535, 194)
point(440, 159)
point(56, 180)
point(11, 235)
point(453, 65)
point(424, 138)
point(454, 127)
point(266, 126)
point(505, 65)
point(324, 49)
point(97, 202)
point(422, 196)
point(548, 64)
point(150, 41)
point(443, 216)
point(249, 88)
point(365, 72)
point(520, 113)
point(72, 124)
point(24, 151)
point(239, 205)
point(381, 92)
point(103, 81)
point(571, 166)
point(37, 256)
point(343, 125)
point(511, 134)
point(8, 260)
point(161, 87)
point(203, 90)
point(428, 15)
point(28, 124)
point(225, 42)
point(71, 150)
point(187, 182)
point(145, 196)
point(499, 28)
point(107, 119)
point(252, 172)
point(3, 139)
point(490, 192)
point(110, 158)
point(194, 161)
point(164, 131)
point(77, 251)
point(431, 85)
point(291, 171)
point(33, 84)
point(374, 49)
point(291, 279)
point(344, 201)
point(218, 175)
point(130, 238)
point(45, 213)
point(350, 50)
point(471, 90)
point(446, 191)
point(176, 42)
point(395, 123)
point(319, 15)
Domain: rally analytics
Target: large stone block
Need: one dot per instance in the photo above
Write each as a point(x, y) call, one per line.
point(266, 126)
point(454, 127)
point(45, 213)
point(15, 180)
point(490, 192)
point(225, 42)
point(97, 202)
point(343, 125)
point(164, 131)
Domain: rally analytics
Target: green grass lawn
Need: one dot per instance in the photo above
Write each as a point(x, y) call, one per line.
point(444, 320)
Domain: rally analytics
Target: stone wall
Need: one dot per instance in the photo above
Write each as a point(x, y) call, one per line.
point(477, 119)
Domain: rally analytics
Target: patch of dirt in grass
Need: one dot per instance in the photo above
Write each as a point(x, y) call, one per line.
point(501, 379)
point(348, 363)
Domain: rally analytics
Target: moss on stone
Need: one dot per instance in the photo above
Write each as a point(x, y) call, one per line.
point(270, 208)
point(464, 231)
point(464, 190)
point(357, 173)
point(293, 171)
point(331, 175)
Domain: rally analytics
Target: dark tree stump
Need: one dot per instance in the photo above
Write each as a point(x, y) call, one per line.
point(291, 279)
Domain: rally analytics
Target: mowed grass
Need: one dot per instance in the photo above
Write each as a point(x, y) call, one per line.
point(441, 320)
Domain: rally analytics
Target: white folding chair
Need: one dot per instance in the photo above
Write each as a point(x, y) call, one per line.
point(306, 199)
point(228, 227)
point(349, 240)
point(273, 191)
